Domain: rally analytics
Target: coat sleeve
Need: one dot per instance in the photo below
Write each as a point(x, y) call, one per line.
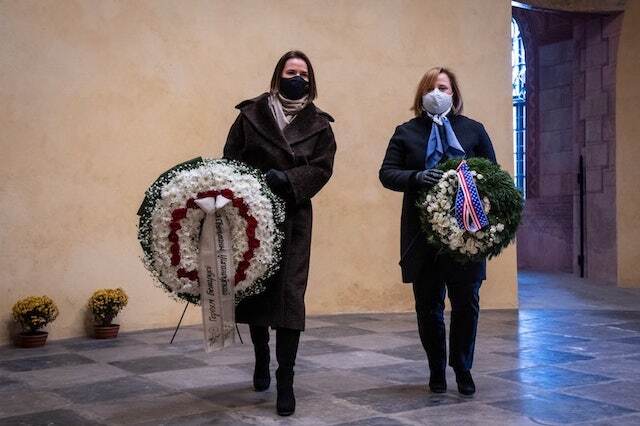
point(485, 147)
point(307, 180)
point(393, 174)
point(234, 146)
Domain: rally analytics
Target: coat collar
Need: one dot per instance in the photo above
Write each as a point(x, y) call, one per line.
point(309, 121)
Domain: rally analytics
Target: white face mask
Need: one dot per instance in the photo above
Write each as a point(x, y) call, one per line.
point(437, 102)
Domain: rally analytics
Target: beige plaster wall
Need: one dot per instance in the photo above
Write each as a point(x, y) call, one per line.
point(99, 97)
point(628, 148)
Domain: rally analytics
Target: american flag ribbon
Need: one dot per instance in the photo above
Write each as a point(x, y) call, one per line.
point(469, 210)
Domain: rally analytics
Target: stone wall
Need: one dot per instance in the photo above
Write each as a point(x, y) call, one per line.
point(572, 113)
point(547, 230)
point(99, 97)
point(596, 40)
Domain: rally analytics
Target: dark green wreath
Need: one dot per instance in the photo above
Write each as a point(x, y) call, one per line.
point(506, 207)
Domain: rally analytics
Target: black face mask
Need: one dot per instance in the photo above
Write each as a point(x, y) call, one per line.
point(294, 88)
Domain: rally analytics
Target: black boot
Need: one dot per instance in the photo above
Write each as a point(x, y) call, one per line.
point(466, 386)
point(261, 375)
point(286, 350)
point(438, 381)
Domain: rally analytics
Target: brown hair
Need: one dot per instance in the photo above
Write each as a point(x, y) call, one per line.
point(428, 83)
point(277, 72)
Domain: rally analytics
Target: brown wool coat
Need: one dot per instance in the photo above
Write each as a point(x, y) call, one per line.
point(304, 150)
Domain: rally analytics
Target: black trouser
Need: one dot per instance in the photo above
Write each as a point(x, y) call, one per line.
point(286, 348)
point(464, 296)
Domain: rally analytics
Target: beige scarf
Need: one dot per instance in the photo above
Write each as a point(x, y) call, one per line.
point(284, 110)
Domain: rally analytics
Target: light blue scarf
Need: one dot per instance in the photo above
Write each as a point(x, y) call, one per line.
point(437, 148)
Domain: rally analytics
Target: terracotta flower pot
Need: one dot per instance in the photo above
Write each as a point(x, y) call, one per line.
point(32, 339)
point(106, 331)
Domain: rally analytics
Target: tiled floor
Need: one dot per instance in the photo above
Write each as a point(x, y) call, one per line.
point(571, 355)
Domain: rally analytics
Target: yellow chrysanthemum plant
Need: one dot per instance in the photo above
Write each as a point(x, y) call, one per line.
point(106, 303)
point(34, 313)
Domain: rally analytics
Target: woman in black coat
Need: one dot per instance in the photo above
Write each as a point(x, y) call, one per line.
point(409, 166)
point(286, 136)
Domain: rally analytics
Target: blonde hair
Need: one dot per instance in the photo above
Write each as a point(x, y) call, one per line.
point(428, 83)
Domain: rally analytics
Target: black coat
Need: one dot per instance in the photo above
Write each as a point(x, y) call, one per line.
point(404, 158)
point(304, 151)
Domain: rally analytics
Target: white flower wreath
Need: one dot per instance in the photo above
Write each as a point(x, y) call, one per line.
point(170, 223)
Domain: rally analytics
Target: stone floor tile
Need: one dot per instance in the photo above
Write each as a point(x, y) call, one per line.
point(224, 358)
point(121, 388)
point(387, 326)
point(543, 356)
point(630, 326)
point(629, 420)
point(619, 367)
point(48, 418)
point(68, 376)
point(599, 349)
point(489, 362)
point(373, 342)
point(182, 347)
point(413, 352)
point(88, 344)
point(156, 364)
point(376, 421)
point(200, 377)
point(468, 414)
point(397, 399)
point(356, 359)
point(408, 372)
point(336, 331)
point(211, 418)
point(315, 322)
point(321, 347)
point(348, 319)
point(623, 393)
point(44, 362)
point(16, 403)
point(635, 340)
point(235, 395)
point(8, 352)
point(489, 388)
point(313, 410)
point(543, 340)
point(592, 332)
point(548, 377)
point(108, 355)
point(339, 381)
point(559, 408)
point(146, 408)
point(411, 335)
point(9, 384)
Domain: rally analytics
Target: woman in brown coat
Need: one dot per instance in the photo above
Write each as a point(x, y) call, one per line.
point(286, 136)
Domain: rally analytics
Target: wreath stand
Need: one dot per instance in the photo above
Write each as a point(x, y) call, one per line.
point(180, 322)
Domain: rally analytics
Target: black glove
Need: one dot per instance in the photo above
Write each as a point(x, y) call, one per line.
point(277, 180)
point(428, 178)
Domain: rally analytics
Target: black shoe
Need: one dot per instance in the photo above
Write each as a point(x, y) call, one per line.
point(438, 382)
point(465, 383)
point(286, 402)
point(261, 378)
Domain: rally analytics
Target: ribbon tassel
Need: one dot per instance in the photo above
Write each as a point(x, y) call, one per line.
point(470, 213)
